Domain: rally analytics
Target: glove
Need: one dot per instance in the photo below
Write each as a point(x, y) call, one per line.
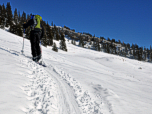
point(23, 25)
point(24, 28)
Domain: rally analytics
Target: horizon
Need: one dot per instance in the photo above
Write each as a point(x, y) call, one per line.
point(127, 21)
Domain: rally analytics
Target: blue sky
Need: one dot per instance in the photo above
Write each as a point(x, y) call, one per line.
point(127, 20)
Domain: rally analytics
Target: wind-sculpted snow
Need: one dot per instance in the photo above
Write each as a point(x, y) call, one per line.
point(85, 102)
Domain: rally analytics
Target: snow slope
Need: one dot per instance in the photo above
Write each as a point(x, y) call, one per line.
point(80, 81)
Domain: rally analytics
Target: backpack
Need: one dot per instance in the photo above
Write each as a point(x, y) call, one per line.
point(36, 22)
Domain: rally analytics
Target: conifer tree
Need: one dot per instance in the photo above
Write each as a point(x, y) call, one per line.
point(19, 16)
point(45, 37)
point(108, 50)
point(15, 29)
point(90, 43)
point(0, 10)
point(28, 17)
point(49, 34)
point(62, 43)
point(145, 55)
point(0, 16)
point(12, 30)
point(15, 16)
point(27, 32)
point(15, 26)
point(44, 40)
point(108, 39)
point(19, 30)
point(47, 28)
point(51, 39)
point(15, 21)
point(98, 47)
point(54, 47)
point(141, 53)
point(133, 53)
point(150, 56)
point(119, 41)
point(54, 28)
point(113, 40)
point(74, 42)
point(95, 45)
point(150, 53)
point(3, 18)
point(105, 47)
point(57, 35)
point(52, 23)
point(23, 18)
point(9, 21)
point(81, 43)
point(115, 49)
point(138, 54)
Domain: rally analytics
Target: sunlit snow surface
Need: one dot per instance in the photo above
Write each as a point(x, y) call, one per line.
point(80, 81)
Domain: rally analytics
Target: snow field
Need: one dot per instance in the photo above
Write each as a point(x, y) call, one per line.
point(80, 81)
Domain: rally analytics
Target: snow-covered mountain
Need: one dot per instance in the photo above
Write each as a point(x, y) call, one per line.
point(79, 81)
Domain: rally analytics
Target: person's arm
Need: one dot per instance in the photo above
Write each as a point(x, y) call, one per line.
point(29, 23)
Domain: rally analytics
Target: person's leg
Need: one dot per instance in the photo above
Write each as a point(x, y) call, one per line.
point(38, 45)
point(38, 49)
point(33, 45)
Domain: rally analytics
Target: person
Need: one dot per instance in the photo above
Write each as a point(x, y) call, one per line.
point(36, 35)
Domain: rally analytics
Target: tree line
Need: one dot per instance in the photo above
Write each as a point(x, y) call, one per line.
point(126, 50)
point(112, 46)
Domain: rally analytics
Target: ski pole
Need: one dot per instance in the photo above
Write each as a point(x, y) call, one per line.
point(41, 48)
point(41, 51)
point(23, 42)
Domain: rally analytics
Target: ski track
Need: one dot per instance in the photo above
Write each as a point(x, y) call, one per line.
point(84, 101)
point(42, 91)
point(47, 93)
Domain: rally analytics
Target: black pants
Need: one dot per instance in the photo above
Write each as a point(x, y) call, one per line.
point(35, 41)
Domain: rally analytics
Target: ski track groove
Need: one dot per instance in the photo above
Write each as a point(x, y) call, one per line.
point(66, 94)
point(46, 92)
point(76, 101)
point(83, 99)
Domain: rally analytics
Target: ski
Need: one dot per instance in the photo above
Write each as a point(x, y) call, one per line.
point(41, 62)
point(23, 41)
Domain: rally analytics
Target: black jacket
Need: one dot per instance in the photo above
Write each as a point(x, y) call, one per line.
point(31, 22)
